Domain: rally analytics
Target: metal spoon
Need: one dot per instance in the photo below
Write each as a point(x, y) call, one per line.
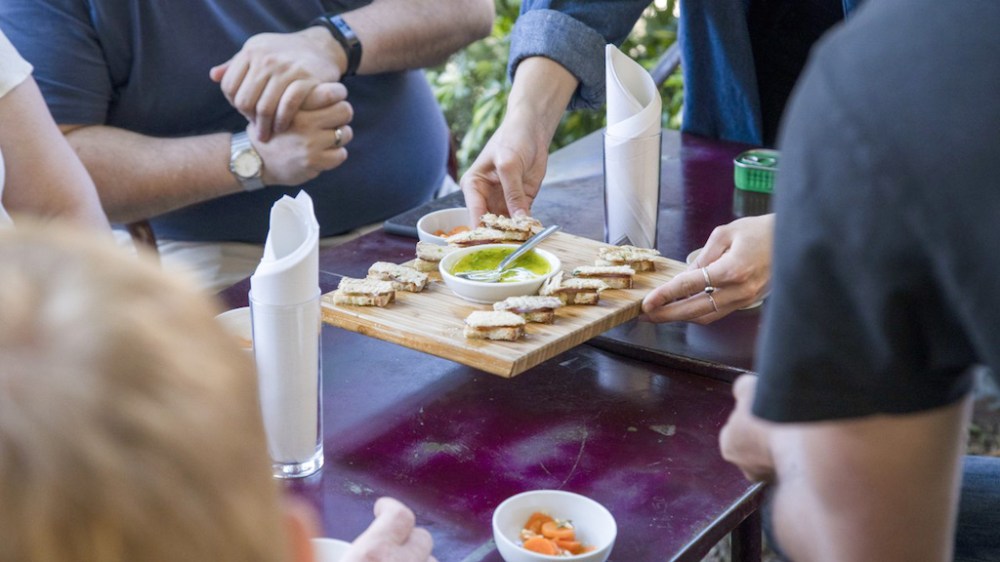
point(493, 275)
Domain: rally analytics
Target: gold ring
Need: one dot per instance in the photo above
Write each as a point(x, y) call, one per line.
point(338, 137)
point(709, 289)
point(711, 299)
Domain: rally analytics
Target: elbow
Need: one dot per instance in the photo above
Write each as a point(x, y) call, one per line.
point(481, 14)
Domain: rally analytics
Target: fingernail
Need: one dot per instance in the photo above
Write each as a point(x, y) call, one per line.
point(519, 214)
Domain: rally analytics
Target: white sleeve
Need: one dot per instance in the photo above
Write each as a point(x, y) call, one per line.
point(13, 68)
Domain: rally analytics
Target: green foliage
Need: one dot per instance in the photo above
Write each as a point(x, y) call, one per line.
point(472, 86)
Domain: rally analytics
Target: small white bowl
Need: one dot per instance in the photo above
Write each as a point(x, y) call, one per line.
point(237, 322)
point(595, 526)
point(329, 550)
point(445, 219)
point(489, 293)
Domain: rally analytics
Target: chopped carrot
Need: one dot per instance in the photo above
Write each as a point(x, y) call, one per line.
point(441, 232)
point(535, 522)
point(541, 545)
point(573, 546)
point(551, 530)
point(546, 535)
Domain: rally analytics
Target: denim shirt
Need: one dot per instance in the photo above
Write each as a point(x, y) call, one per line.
point(720, 83)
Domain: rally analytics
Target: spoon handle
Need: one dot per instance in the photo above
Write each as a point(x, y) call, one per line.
point(528, 244)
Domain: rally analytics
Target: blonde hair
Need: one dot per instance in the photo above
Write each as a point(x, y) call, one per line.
point(129, 423)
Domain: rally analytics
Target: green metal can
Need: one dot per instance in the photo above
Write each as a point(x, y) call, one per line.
point(754, 173)
point(755, 170)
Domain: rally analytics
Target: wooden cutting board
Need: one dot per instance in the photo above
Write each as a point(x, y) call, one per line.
point(432, 320)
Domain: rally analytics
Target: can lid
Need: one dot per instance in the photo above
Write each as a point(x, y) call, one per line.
point(755, 170)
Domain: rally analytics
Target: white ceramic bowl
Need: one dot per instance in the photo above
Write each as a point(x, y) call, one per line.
point(489, 293)
point(445, 219)
point(329, 550)
point(595, 526)
point(237, 322)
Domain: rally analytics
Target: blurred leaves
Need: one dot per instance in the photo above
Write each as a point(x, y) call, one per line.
point(472, 86)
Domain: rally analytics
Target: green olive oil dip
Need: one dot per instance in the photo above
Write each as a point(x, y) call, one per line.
point(528, 266)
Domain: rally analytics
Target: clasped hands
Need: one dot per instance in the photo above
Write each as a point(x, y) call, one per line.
point(287, 86)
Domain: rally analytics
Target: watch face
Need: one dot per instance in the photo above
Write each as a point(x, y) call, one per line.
point(246, 164)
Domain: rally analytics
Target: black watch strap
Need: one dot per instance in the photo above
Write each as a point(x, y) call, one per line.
point(346, 37)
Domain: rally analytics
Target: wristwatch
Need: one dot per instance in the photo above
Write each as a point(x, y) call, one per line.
point(346, 37)
point(245, 163)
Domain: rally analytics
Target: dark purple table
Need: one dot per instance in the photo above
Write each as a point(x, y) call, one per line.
point(631, 421)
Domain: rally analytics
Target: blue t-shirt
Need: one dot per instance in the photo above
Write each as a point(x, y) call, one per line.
point(142, 65)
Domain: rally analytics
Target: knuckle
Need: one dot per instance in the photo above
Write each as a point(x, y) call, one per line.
point(507, 163)
point(263, 106)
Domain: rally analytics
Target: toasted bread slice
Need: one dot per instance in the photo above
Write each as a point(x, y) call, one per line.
point(364, 292)
point(520, 228)
point(639, 259)
point(402, 278)
point(574, 290)
point(494, 325)
point(429, 256)
point(615, 276)
point(531, 308)
point(483, 235)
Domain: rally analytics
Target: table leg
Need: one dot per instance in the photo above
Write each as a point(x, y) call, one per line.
point(746, 542)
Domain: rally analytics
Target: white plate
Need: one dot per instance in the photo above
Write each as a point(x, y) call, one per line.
point(329, 550)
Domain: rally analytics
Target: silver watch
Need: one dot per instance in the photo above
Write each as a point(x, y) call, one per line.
point(245, 163)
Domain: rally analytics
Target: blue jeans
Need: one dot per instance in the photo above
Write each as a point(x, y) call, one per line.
point(720, 82)
point(977, 536)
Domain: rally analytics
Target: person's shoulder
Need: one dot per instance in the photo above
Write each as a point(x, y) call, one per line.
point(912, 39)
point(917, 78)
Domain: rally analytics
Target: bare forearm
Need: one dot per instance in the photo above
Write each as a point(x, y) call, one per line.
point(403, 34)
point(138, 176)
point(44, 178)
point(877, 488)
point(538, 98)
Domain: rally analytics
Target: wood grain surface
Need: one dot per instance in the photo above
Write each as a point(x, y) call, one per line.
point(432, 321)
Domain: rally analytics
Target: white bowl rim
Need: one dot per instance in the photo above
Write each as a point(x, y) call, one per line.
point(450, 210)
point(600, 507)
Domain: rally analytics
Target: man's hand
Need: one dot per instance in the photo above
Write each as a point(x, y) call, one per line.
point(506, 176)
point(737, 259)
point(744, 439)
point(392, 537)
point(310, 146)
point(269, 79)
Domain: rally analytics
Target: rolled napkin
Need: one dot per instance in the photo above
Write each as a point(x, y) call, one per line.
point(631, 152)
point(289, 271)
point(284, 301)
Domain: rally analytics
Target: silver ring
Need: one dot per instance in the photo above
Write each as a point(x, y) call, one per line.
point(338, 137)
point(711, 299)
point(709, 289)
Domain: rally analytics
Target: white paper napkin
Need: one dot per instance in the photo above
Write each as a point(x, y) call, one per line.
point(634, 104)
point(631, 151)
point(286, 324)
point(289, 271)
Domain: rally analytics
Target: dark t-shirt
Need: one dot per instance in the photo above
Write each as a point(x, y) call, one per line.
point(886, 272)
point(142, 65)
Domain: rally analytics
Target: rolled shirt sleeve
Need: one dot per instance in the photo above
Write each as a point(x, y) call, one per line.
point(573, 34)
